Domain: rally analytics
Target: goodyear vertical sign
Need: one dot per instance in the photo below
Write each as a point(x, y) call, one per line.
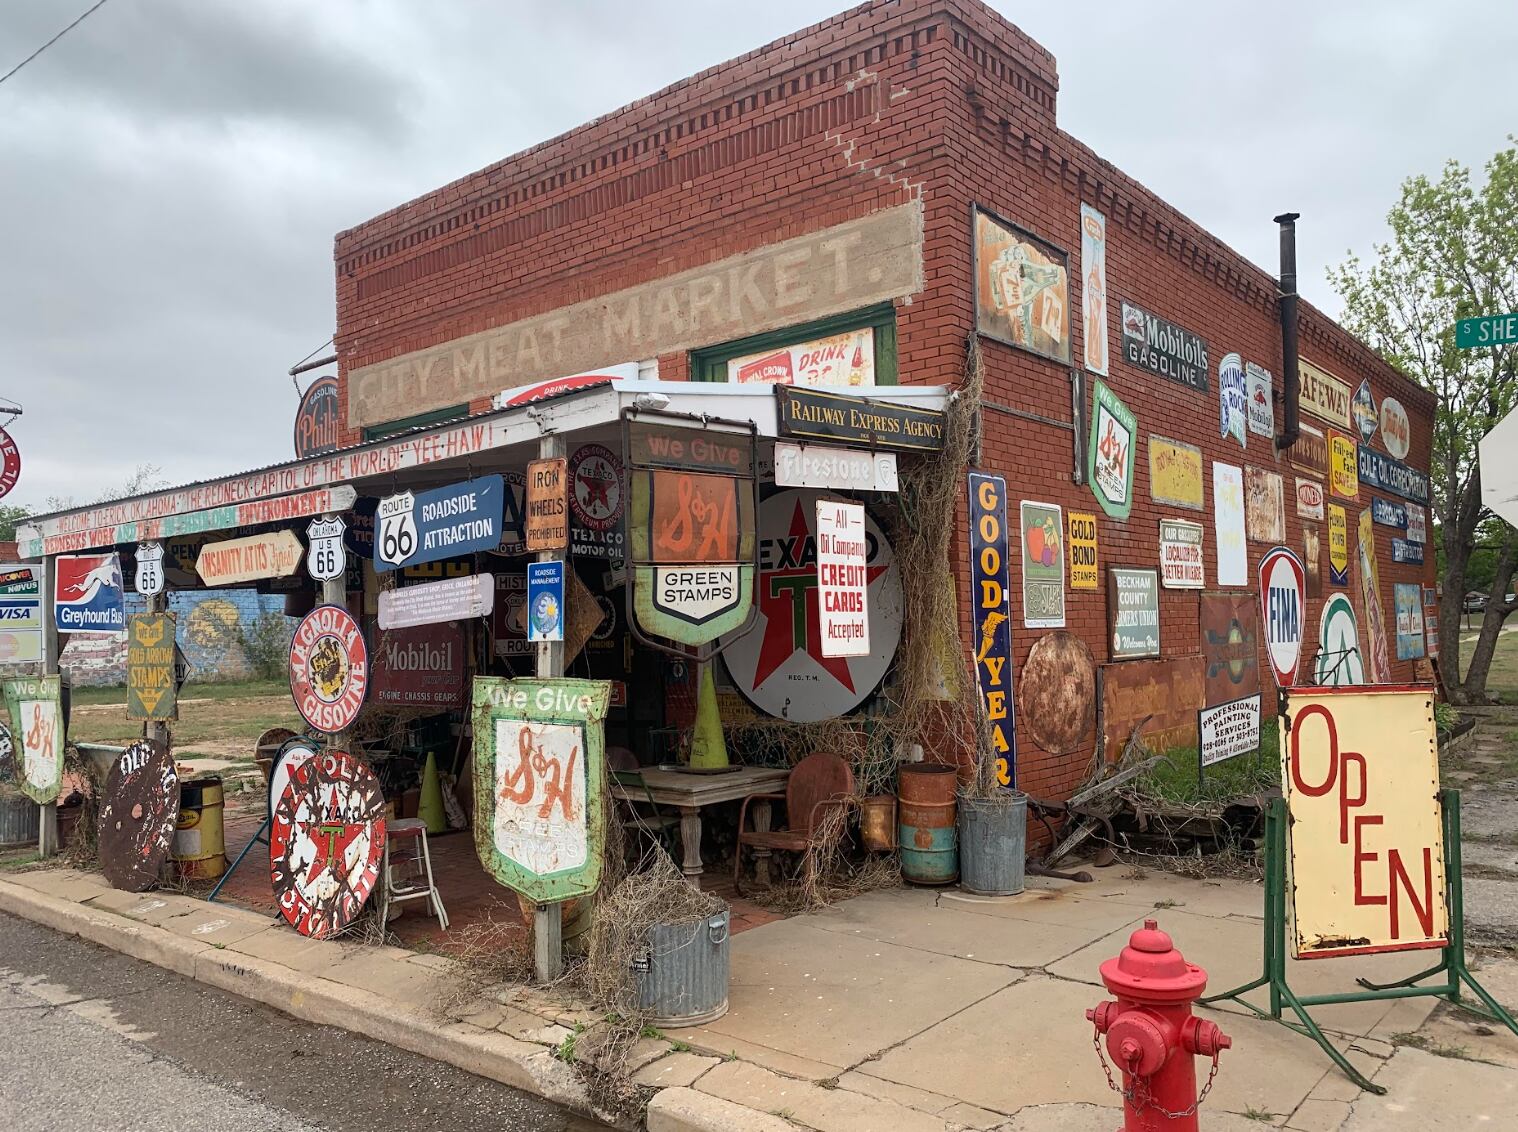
point(991, 605)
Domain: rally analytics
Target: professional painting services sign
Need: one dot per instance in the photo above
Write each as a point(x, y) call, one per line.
point(1111, 453)
point(273, 555)
point(432, 603)
point(1094, 289)
point(1396, 429)
point(840, 359)
point(1181, 566)
point(1309, 499)
point(87, 594)
point(1360, 772)
point(1283, 609)
point(842, 578)
point(1229, 729)
point(1229, 527)
point(20, 613)
point(1323, 394)
point(1343, 473)
point(411, 528)
point(1339, 663)
point(1175, 472)
point(991, 616)
point(1085, 571)
point(1165, 349)
point(1338, 546)
point(152, 691)
point(329, 668)
point(1133, 613)
point(1233, 399)
point(539, 770)
point(1262, 409)
point(420, 667)
point(1042, 526)
point(1383, 472)
point(36, 735)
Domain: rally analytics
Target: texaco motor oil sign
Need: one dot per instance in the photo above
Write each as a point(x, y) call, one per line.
point(329, 668)
point(779, 665)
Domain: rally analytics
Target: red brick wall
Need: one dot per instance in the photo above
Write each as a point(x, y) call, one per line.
point(938, 100)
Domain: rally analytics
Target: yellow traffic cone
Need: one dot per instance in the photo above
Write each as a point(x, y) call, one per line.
point(430, 808)
point(708, 749)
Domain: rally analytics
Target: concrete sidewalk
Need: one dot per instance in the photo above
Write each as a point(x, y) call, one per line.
point(900, 1010)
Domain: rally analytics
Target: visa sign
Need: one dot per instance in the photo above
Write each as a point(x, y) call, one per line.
point(1283, 607)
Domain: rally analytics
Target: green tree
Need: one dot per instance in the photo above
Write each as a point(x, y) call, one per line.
point(1453, 254)
point(10, 515)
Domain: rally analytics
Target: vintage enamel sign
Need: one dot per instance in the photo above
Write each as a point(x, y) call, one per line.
point(812, 414)
point(20, 613)
point(842, 579)
point(1323, 394)
point(1377, 470)
point(1233, 399)
point(329, 668)
point(545, 601)
point(1181, 562)
point(326, 843)
point(991, 616)
point(1056, 693)
point(431, 603)
point(149, 578)
point(596, 502)
point(1042, 532)
point(1262, 411)
point(1175, 472)
point(539, 766)
point(37, 727)
point(291, 756)
point(778, 664)
point(10, 463)
point(326, 557)
point(1283, 607)
point(547, 526)
point(152, 691)
point(1360, 772)
point(428, 526)
point(1396, 429)
point(276, 554)
point(1309, 499)
point(1085, 569)
point(317, 419)
point(420, 667)
point(1338, 662)
point(1230, 525)
point(823, 466)
point(138, 811)
point(1133, 612)
point(87, 595)
point(1363, 410)
point(1230, 631)
point(1111, 454)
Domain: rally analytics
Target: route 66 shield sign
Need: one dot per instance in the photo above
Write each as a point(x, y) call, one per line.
point(149, 578)
point(395, 530)
point(325, 557)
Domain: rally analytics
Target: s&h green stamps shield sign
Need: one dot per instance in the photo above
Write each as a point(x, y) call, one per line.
point(539, 784)
point(1111, 453)
point(36, 735)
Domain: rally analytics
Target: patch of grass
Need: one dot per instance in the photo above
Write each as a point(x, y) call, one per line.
point(192, 691)
point(219, 720)
point(1163, 904)
point(1264, 1117)
point(565, 1050)
point(1175, 778)
point(1429, 1045)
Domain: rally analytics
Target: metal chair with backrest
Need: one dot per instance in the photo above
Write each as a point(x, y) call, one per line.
point(819, 782)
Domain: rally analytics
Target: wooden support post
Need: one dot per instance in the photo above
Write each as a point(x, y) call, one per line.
point(158, 730)
point(547, 919)
point(47, 826)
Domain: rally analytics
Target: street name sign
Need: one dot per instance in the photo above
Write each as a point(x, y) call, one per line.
point(1487, 330)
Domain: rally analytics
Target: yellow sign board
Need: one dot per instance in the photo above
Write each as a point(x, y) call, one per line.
point(1084, 573)
point(1323, 394)
point(151, 690)
point(1343, 466)
point(1175, 472)
point(1360, 771)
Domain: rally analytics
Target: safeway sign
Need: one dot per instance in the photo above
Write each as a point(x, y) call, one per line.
point(1283, 608)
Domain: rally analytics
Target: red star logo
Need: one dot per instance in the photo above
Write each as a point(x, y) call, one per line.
point(788, 601)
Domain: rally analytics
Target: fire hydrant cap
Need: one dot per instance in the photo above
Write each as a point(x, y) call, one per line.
point(1150, 968)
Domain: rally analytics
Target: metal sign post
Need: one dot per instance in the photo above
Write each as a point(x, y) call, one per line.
point(47, 826)
point(548, 919)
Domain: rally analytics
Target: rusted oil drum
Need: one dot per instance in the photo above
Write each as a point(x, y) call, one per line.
point(199, 842)
point(928, 833)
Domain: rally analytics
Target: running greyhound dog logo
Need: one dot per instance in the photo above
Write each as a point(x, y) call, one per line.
point(88, 594)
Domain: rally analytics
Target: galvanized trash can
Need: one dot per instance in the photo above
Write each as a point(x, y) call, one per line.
point(993, 844)
point(682, 976)
point(19, 819)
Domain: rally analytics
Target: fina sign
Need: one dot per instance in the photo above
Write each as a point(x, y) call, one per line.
point(1283, 606)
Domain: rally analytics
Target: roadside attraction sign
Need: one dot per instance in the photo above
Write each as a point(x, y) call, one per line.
point(139, 809)
point(539, 769)
point(428, 526)
point(37, 727)
point(329, 668)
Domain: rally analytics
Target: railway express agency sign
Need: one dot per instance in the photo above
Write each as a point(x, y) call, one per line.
point(329, 668)
point(1360, 771)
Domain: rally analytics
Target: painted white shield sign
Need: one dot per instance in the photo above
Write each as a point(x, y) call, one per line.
point(149, 579)
point(395, 529)
point(326, 557)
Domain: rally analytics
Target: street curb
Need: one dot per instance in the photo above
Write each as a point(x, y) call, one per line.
point(311, 998)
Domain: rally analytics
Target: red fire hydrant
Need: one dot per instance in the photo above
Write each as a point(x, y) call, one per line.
point(1152, 1034)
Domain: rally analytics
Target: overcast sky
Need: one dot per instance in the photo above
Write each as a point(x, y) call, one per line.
point(172, 172)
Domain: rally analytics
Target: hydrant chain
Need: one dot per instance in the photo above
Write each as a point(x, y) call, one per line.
point(1139, 1096)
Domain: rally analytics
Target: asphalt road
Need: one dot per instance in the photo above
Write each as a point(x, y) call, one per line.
point(90, 1039)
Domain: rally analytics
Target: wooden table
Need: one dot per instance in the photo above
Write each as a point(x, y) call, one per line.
point(688, 793)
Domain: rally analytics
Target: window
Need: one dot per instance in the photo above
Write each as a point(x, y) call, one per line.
point(437, 416)
point(832, 350)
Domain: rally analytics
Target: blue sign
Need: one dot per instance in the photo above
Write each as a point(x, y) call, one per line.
point(1391, 475)
point(991, 616)
point(1387, 513)
point(442, 523)
point(88, 594)
point(545, 601)
point(1404, 551)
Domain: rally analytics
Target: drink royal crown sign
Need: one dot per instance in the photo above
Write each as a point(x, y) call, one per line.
point(412, 528)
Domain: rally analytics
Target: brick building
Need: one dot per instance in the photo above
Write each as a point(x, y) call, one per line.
point(827, 184)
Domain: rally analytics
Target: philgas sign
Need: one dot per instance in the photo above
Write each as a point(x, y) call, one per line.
point(87, 594)
point(329, 668)
point(1283, 608)
point(428, 526)
point(991, 616)
point(317, 419)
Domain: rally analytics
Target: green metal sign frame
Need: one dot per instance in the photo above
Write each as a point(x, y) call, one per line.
point(35, 690)
point(540, 784)
point(1452, 966)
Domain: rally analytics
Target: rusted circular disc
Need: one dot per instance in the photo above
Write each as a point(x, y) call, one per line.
point(1057, 693)
point(137, 815)
point(326, 843)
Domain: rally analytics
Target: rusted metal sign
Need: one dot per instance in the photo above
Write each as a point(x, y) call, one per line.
point(152, 692)
point(547, 505)
point(326, 843)
point(37, 727)
point(138, 812)
point(539, 825)
point(273, 555)
point(329, 668)
point(1360, 771)
point(1057, 694)
point(1230, 630)
point(421, 667)
point(1162, 695)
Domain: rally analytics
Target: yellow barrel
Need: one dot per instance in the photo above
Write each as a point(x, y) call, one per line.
point(200, 847)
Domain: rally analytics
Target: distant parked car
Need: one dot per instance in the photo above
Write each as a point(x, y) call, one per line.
point(1475, 602)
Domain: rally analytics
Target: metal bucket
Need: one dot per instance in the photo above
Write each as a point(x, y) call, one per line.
point(993, 844)
point(682, 978)
point(927, 835)
point(877, 822)
point(200, 848)
point(19, 820)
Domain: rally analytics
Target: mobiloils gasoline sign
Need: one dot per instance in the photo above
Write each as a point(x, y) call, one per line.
point(411, 528)
point(87, 594)
point(1283, 606)
point(991, 605)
